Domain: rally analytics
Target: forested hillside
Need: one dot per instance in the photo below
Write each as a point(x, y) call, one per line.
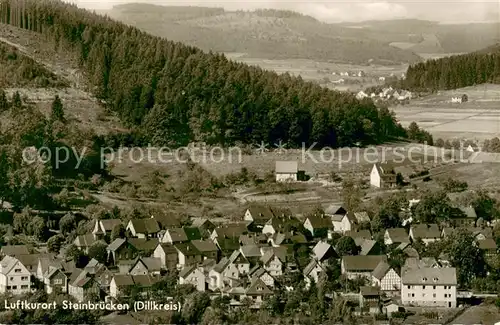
point(264, 33)
point(175, 94)
point(17, 70)
point(455, 72)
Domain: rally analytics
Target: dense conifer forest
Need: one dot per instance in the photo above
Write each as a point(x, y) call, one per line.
point(455, 72)
point(174, 94)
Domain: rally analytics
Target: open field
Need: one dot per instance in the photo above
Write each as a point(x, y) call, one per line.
point(322, 71)
point(479, 118)
point(483, 314)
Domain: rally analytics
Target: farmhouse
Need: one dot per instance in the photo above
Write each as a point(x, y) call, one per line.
point(386, 278)
point(286, 171)
point(382, 176)
point(14, 276)
point(460, 99)
point(396, 235)
point(428, 233)
point(361, 266)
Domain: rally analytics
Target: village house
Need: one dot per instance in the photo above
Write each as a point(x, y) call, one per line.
point(287, 238)
point(15, 278)
point(312, 273)
point(429, 287)
point(251, 252)
point(258, 292)
point(361, 266)
point(287, 171)
point(257, 272)
point(83, 242)
point(205, 226)
point(104, 227)
point(359, 236)
point(396, 236)
point(421, 263)
point(222, 274)
point(100, 274)
point(318, 225)
point(187, 255)
point(82, 284)
point(143, 228)
point(258, 215)
point(168, 255)
point(468, 220)
point(44, 264)
point(120, 249)
point(55, 280)
point(194, 275)
point(30, 261)
point(280, 223)
point(207, 249)
point(121, 282)
point(427, 232)
point(386, 278)
point(167, 221)
point(232, 230)
point(174, 236)
point(488, 246)
point(273, 261)
point(382, 176)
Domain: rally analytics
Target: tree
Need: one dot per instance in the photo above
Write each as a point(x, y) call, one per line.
point(432, 207)
point(485, 206)
point(38, 228)
point(67, 223)
point(451, 185)
point(22, 220)
point(351, 194)
point(98, 251)
point(118, 232)
point(57, 112)
point(54, 243)
point(465, 256)
point(347, 246)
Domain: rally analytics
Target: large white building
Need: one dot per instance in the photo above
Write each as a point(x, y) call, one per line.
point(430, 287)
point(14, 276)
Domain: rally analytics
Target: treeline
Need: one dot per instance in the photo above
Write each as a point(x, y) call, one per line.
point(454, 72)
point(175, 94)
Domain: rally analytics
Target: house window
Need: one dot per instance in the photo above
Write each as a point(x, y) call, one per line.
point(409, 295)
point(424, 279)
point(24, 278)
point(413, 295)
point(433, 295)
point(445, 295)
point(423, 287)
point(423, 294)
point(409, 287)
point(58, 281)
point(24, 287)
point(11, 278)
point(14, 287)
point(8, 287)
point(435, 279)
point(434, 287)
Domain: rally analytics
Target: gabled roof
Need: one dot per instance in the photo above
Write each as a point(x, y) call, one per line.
point(233, 230)
point(430, 276)
point(260, 213)
point(178, 235)
point(85, 240)
point(425, 231)
point(381, 270)
point(167, 248)
point(152, 264)
point(361, 217)
point(13, 250)
point(31, 260)
point(109, 224)
point(252, 239)
point(167, 221)
point(222, 265)
point(187, 270)
point(487, 244)
point(288, 238)
point(258, 287)
point(361, 234)
point(398, 235)
point(469, 212)
point(320, 222)
point(311, 266)
point(116, 244)
point(187, 249)
point(145, 226)
point(416, 263)
point(362, 263)
point(228, 244)
point(270, 254)
point(122, 280)
point(7, 263)
point(250, 251)
point(144, 280)
point(287, 167)
point(143, 244)
point(335, 209)
point(321, 249)
point(366, 246)
point(205, 246)
point(202, 223)
point(238, 258)
point(192, 233)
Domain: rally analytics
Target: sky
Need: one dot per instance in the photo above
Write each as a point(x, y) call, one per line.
point(447, 11)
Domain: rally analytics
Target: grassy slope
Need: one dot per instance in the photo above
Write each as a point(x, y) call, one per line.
point(268, 34)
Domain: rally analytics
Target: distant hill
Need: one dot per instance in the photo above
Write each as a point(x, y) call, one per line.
point(422, 36)
point(273, 34)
